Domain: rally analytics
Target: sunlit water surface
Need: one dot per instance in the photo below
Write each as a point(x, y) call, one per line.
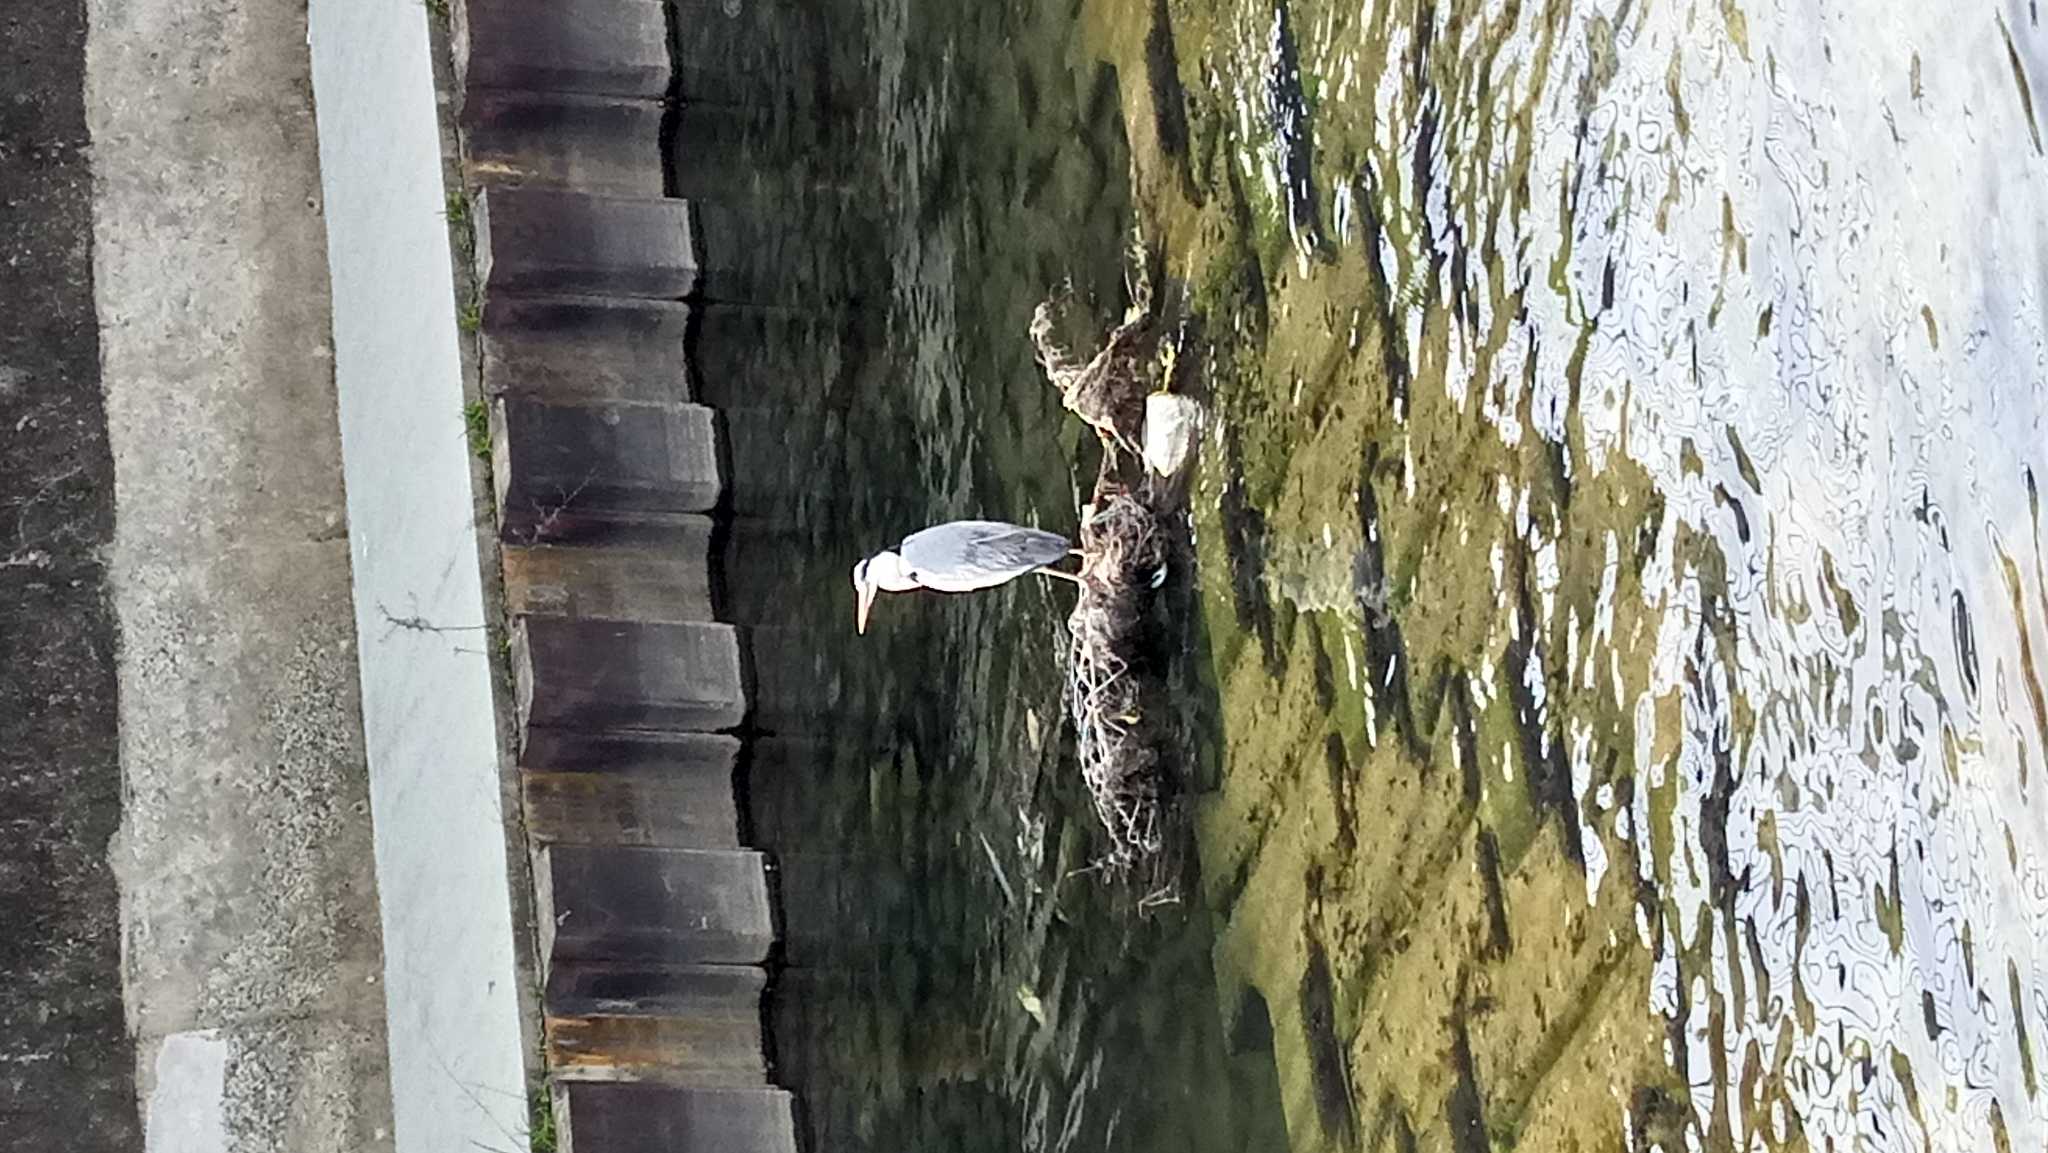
point(1613, 663)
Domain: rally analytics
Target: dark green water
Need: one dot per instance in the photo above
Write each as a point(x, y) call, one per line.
point(1612, 652)
point(950, 984)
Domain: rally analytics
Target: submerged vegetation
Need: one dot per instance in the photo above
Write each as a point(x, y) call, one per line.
point(1546, 750)
point(1132, 525)
point(1109, 692)
point(1520, 677)
point(1394, 845)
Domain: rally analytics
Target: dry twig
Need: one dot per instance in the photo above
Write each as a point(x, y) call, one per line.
point(1122, 548)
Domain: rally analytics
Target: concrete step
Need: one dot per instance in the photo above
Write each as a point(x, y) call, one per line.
point(667, 582)
point(601, 676)
point(598, 458)
point(550, 241)
point(697, 1049)
point(675, 810)
point(597, 988)
point(539, 241)
point(594, 47)
point(625, 1118)
point(586, 348)
point(586, 143)
point(655, 906)
point(563, 750)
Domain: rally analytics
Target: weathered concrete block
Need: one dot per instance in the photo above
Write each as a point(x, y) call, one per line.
point(586, 347)
point(704, 1050)
point(600, 47)
point(564, 750)
point(603, 675)
point(606, 456)
point(662, 906)
point(670, 583)
point(595, 1117)
point(586, 143)
point(595, 988)
point(675, 810)
point(592, 527)
point(533, 240)
point(556, 242)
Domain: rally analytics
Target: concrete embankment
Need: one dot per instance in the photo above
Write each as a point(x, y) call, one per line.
point(253, 968)
point(257, 735)
point(261, 962)
point(632, 703)
point(210, 943)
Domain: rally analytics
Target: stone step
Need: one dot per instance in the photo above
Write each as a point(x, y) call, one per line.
point(567, 140)
point(596, 988)
point(655, 906)
point(669, 582)
point(587, 348)
point(593, 47)
point(604, 457)
point(600, 676)
point(719, 1049)
point(676, 810)
point(562, 750)
point(539, 241)
point(550, 241)
point(597, 1117)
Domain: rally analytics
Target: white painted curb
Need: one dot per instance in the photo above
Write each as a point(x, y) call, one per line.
point(457, 1068)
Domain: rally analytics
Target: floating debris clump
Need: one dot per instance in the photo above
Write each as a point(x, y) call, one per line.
point(1127, 538)
point(1124, 549)
point(1105, 390)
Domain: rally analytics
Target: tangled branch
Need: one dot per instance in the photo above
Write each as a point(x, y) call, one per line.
point(1123, 549)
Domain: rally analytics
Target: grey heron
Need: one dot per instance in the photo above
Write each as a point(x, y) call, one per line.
point(957, 557)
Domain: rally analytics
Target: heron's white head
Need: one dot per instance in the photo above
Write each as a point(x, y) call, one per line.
point(884, 571)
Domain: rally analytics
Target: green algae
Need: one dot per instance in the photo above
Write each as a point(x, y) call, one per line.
point(1437, 871)
point(1393, 850)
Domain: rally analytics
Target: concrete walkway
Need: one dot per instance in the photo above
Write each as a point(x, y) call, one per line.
point(286, 959)
point(252, 964)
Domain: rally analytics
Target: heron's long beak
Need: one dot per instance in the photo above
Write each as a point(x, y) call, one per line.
point(867, 601)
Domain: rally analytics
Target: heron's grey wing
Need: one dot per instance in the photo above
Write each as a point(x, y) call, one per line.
point(972, 554)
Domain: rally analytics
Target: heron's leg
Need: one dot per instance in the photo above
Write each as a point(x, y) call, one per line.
point(1048, 570)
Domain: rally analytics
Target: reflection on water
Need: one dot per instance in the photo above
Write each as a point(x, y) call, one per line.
point(930, 173)
point(1618, 680)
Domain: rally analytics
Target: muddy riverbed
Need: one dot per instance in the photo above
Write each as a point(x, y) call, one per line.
point(1611, 660)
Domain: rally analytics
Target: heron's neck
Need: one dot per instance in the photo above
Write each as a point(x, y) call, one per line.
point(890, 573)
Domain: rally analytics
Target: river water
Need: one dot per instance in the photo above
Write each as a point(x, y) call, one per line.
point(1613, 664)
